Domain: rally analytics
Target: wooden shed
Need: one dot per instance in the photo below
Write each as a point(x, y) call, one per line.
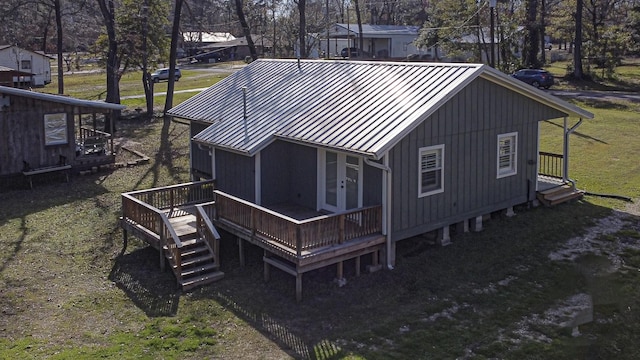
point(319, 162)
point(51, 132)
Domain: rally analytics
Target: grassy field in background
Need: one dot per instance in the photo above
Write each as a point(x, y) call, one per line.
point(66, 292)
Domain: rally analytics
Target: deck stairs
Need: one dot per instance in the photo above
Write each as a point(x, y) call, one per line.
point(559, 194)
point(197, 261)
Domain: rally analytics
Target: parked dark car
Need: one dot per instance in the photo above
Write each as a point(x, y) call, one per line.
point(535, 77)
point(163, 74)
point(353, 52)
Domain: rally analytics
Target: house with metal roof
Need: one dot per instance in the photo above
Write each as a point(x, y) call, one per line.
point(319, 162)
point(44, 133)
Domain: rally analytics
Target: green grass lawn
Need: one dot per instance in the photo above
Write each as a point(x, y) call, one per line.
point(66, 292)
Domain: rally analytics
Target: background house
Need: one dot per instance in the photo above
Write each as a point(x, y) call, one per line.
point(434, 145)
point(380, 41)
point(27, 61)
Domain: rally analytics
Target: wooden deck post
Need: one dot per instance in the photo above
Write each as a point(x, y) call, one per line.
point(341, 229)
point(357, 265)
point(161, 250)
point(241, 251)
point(340, 275)
point(267, 267)
point(299, 287)
point(125, 241)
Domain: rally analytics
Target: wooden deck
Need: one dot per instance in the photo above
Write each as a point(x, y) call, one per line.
point(294, 240)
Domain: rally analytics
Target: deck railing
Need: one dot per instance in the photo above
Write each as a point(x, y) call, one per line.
point(550, 164)
point(174, 196)
point(298, 235)
point(155, 220)
point(148, 208)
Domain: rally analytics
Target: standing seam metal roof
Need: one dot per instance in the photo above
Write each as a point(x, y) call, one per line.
point(361, 107)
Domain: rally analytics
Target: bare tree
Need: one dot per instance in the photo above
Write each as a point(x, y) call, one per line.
point(175, 33)
point(577, 50)
point(246, 29)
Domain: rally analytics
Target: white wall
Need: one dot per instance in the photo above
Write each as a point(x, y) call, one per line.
point(13, 57)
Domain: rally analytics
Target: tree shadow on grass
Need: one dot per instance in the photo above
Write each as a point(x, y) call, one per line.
point(577, 133)
point(166, 153)
point(138, 275)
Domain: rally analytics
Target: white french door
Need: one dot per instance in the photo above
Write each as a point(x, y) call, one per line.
point(340, 181)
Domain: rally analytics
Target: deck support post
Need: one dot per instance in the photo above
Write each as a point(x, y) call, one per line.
point(161, 258)
point(125, 241)
point(357, 265)
point(375, 262)
point(298, 287)
point(462, 227)
point(444, 237)
point(510, 212)
point(477, 224)
point(241, 251)
point(340, 275)
point(267, 267)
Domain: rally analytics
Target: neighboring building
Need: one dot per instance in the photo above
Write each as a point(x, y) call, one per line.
point(433, 144)
point(379, 41)
point(235, 49)
point(42, 130)
point(193, 41)
point(14, 78)
point(33, 62)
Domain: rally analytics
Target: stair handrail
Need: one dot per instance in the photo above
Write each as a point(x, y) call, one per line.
point(163, 217)
point(210, 228)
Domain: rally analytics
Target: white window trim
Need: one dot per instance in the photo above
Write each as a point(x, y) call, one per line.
point(513, 170)
point(422, 151)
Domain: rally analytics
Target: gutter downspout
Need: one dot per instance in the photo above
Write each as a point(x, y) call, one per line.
point(565, 170)
point(386, 210)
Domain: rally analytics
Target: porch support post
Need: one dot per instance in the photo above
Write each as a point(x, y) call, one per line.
point(510, 212)
point(567, 133)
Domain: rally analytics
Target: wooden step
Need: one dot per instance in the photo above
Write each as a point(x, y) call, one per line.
point(194, 260)
point(194, 250)
point(201, 280)
point(560, 198)
point(198, 269)
point(560, 188)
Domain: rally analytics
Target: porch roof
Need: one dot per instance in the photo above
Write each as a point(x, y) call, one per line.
point(353, 106)
point(60, 99)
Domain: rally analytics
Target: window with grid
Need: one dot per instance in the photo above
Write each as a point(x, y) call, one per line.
point(507, 154)
point(25, 64)
point(431, 173)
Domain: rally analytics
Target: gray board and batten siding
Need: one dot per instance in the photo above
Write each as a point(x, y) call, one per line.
point(288, 175)
point(468, 125)
point(200, 158)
